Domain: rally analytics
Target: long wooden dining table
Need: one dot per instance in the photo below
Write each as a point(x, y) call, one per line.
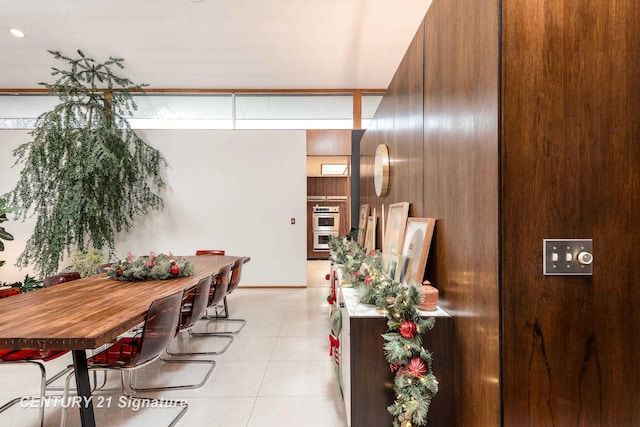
point(87, 313)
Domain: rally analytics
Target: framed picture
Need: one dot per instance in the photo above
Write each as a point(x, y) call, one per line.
point(397, 267)
point(417, 241)
point(370, 238)
point(394, 230)
point(362, 224)
point(401, 271)
point(392, 269)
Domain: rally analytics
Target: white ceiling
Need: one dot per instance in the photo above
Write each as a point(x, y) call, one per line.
point(215, 44)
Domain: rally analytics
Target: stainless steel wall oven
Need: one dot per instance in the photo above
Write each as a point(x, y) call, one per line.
point(326, 223)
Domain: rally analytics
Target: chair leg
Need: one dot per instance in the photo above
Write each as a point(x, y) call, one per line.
point(43, 381)
point(211, 363)
point(129, 393)
point(196, 335)
point(224, 317)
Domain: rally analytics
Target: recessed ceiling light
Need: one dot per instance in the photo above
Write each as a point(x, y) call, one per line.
point(16, 32)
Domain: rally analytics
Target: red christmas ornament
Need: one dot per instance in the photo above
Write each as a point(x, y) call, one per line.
point(417, 367)
point(175, 269)
point(327, 277)
point(408, 329)
point(368, 280)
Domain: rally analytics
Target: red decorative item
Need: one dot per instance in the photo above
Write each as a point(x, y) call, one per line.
point(417, 367)
point(430, 302)
point(368, 280)
point(175, 269)
point(408, 329)
point(327, 277)
point(331, 298)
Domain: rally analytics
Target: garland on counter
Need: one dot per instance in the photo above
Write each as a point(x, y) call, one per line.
point(414, 384)
point(150, 267)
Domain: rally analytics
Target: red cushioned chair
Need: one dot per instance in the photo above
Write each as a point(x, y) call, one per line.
point(201, 252)
point(34, 357)
point(130, 353)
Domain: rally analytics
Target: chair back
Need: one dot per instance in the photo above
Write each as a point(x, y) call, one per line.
point(219, 286)
point(7, 292)
point(102, 268)
point(160, 326)
point(61, 278)
point(209, 252)
point(236, 274)
point(198, 305)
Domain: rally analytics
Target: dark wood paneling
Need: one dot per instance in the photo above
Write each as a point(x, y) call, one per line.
point(398, 123)
point(444, 155)
point(328, 186)
point(329, 142)
point(571, 169)
point(461, 190)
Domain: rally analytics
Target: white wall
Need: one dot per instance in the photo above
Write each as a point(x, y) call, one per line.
point(233, 190)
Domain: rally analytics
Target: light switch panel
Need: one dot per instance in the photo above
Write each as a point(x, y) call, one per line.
point(567, 257)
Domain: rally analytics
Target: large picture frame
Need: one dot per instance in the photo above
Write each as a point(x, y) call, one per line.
point(362, 224)
point(370, 238)
point(417, 240)
point(394, 230)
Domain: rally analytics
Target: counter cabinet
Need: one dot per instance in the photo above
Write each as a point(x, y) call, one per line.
point(367, 381)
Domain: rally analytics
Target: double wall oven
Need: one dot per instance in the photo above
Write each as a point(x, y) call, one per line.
point(326, 223)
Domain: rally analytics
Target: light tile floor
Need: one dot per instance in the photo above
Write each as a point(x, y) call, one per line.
point(277, 372)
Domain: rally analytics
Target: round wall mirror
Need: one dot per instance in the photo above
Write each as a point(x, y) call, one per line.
point(381, 170)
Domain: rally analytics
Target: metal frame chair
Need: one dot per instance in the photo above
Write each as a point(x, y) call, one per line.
point(128, 354)
point(218, 291)
point(60, 278)
point(33, 357)
point(234, 281)
point(193, 307)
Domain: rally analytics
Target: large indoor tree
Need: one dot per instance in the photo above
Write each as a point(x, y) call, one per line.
point(86, 173)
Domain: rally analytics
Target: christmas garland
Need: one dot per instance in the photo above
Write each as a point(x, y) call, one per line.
point(414, 384)
point(151, 267)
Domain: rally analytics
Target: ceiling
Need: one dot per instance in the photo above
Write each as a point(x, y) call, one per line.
point(215, 44)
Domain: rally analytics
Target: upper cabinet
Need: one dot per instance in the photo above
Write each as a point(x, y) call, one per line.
point(329, 142)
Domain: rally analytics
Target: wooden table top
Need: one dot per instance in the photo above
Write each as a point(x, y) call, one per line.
point(89, 312)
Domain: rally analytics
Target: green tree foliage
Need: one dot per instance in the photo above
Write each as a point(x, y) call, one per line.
point(4, 234)
point(86, 173)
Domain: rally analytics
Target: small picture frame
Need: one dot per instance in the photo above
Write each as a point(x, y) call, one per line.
point(394, 230)
point(393, 266)
point(370, 238)
point(362, 224)
point(402, 268)
point(397, 267)
point(417, 240)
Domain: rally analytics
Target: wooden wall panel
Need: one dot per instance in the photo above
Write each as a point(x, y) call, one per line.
point(329, 142)
point(398, 123)
point(444, 152)
point(571, 169)
point(461, 190)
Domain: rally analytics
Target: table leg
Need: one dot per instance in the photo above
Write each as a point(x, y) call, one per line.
point(84, 388)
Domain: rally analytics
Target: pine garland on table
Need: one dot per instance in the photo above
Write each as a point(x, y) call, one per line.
point(151, 267)
point(414, 384)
